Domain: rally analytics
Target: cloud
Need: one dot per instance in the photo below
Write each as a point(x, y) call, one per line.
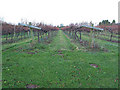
point(59, 11)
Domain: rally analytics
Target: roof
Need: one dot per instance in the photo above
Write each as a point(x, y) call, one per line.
point(99, 29)
point(30, 26)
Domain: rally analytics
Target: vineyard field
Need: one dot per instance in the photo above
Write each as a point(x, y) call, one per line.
point(60, 61)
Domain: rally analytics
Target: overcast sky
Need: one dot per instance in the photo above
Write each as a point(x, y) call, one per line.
point(56, 12)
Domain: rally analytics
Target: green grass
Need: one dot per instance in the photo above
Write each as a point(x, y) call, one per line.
point(57, 63)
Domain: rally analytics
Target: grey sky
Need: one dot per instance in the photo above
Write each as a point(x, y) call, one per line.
point(59, 11)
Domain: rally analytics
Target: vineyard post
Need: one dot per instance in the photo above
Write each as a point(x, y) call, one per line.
point(75, 34)
point(28, 33)
point(46, 35)
point(24, 34)
point(21, 32)
point(34, 32)
point(90, 40)
point(41, 36)
point(50, 33)
point(32, 36)
point(80, 35)
point(111, 35)
point(93, 39)
point(6, 37)
point(72, 33)
point(38, 37)
point(14, 33)
point(11, 37)
point(105, 31)
point(97, 34)
point(69, 32)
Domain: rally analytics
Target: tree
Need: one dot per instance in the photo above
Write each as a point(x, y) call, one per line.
point(104, 22)
point(100, 23)
point(113, 22)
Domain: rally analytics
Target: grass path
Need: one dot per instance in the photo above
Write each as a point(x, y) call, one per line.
point(61, 42)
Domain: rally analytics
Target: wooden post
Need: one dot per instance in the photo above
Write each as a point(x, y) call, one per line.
point(14, 33)
point(6, 37)
point(21, 32)
point(93, 41)
point(28, 33)
point(111, 35)
point(24, 34)
point(41, 35)
point(75, 34)
point(80, 35)
point(90, 40)
point(38, 37)
point(32, 36)
point(48, 34)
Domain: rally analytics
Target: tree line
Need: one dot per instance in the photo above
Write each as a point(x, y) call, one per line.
point(107, 22)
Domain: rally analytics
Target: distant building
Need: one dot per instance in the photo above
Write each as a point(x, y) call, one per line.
point(61, 25)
